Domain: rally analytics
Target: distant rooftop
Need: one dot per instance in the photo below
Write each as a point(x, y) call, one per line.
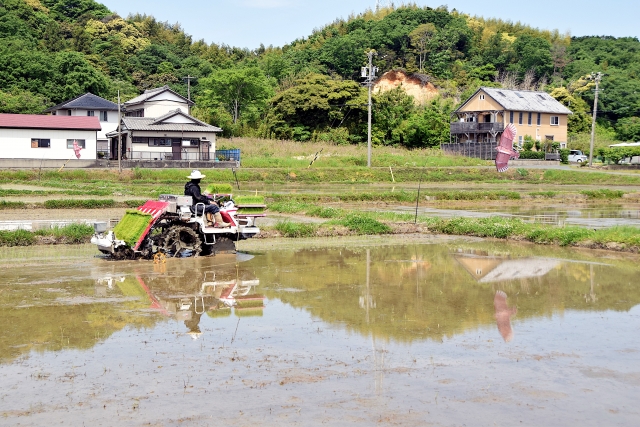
point(524, 100)
point(88, 101)
point(151, 93)
point(34, 121)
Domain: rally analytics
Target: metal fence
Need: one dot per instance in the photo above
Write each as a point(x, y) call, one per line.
point(473, 127)
point(480, 150)
point(168, 155)
point(218, 156)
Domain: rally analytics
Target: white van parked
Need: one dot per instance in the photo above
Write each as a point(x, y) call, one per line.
point(577, 156)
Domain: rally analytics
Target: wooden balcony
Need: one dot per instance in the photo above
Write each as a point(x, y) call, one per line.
point(475, 127)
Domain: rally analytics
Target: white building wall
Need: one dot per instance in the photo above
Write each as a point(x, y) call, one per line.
point(160, 108)
point(16, 144)
point(109, 126)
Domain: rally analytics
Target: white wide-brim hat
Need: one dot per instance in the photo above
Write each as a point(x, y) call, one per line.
point(195, 174)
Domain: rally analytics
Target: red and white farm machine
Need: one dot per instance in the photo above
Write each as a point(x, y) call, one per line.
point(172, 228)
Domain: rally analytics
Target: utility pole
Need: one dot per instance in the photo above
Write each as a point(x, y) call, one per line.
point(597, 77)
point(369, 73)
point(188, 79)
point(119, 137)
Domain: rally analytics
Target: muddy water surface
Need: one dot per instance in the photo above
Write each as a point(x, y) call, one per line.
point(404, 331)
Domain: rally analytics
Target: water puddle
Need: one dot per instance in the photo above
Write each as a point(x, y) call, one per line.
point(402, 330)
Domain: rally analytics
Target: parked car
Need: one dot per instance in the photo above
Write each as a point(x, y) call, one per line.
point(577, 156)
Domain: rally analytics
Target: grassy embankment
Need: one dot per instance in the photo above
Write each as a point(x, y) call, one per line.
point(341, 222)
point(72, 233)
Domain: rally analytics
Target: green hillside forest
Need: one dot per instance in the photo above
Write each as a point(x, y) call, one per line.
point(310, 89)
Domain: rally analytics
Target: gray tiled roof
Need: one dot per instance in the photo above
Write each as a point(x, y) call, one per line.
point(150, 93)
point(524, 100)
point(88, 101)
point(147, 124)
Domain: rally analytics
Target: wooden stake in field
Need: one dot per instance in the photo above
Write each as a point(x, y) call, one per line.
point(315, 158)
point(415, 221)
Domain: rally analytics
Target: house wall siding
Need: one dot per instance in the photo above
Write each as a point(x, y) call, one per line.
point(558, 132)
point(17, 144)
point(478, 105)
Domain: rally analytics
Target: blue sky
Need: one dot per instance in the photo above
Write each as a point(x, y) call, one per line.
point(247, 23)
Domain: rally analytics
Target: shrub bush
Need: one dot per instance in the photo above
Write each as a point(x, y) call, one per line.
point(16, 238)
point(532, 155)
point(363, 224)
point(295, 229)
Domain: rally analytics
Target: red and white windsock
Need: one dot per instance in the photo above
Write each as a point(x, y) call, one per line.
point(505, 148)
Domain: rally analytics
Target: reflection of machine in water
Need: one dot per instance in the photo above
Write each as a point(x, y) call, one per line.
point(186, 297)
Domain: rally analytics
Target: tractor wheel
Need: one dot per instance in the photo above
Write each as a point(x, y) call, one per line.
point(123, 252)
point(181, 241)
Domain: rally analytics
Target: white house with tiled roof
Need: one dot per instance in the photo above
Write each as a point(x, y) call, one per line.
point(483, 116)
point(157, 126)
point(173, 136)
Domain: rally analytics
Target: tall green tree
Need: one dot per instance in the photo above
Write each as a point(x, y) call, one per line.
point(317, 103)
point(421, 40)
point(243, 92)
point(390, 109)
point(428, 126)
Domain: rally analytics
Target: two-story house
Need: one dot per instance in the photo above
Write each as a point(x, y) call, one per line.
point(90, 105)
point(483, 116)
point(157, 126)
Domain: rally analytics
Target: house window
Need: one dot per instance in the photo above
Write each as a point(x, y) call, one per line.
point(68, 112)
point(40, 143)
point(90, 113)
point(80, 142)
point(539, 119)
point(520, 140)
point(520, 118)
point(103, 116)
point(481, 97)
point(529, 118)
point(555, 120)
point(195, 142)
point(140, 140)
point(159, 142)
point(510, 116)
point(134, 113)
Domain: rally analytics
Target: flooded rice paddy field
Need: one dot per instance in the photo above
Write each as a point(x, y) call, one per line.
point(376, 330)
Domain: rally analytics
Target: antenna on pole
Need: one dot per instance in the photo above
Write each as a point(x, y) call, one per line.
point(369, 74)
point(188, 79)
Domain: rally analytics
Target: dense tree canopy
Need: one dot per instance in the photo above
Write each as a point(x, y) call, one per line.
point(53, 50)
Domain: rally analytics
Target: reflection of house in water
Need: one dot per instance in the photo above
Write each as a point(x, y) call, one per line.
point(485, 268)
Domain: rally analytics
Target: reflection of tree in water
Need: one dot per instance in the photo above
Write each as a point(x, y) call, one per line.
point(406, 302)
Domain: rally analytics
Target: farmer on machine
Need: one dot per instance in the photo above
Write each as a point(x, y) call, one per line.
point(211, 209)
